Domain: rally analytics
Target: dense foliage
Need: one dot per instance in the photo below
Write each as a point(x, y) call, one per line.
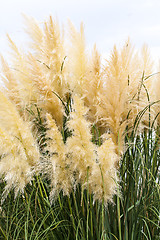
point(79, 152)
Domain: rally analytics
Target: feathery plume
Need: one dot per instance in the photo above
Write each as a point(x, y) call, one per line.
point(88, 161)
point(56, 164)
point(19, 151)
point(8, 76)
point(47, 68)
point(77, 62)
point(94, 79)
point(49, 52)
point(79, 145)
point(44, 94)
point(113, 98)
point(103, 180)
point(23, 91)
point(39, 76)
point(118, 97)
point(35, 32)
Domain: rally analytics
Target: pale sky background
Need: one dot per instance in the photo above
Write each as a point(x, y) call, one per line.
point(106, 22)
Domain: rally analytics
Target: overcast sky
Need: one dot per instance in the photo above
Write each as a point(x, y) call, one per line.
point(107, 22)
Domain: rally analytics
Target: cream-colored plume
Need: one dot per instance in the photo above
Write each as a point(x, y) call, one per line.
point(37, 77)
point(119, 95)
point(77, 61)
point(79, 145)
point(18, 149)
point(103, 180)
point(56, 165)
point(91, 165)
point(94, 84)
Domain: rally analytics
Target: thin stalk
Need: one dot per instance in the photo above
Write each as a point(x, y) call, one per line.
point(71, 213)
point(87, 202)
point(119, 218)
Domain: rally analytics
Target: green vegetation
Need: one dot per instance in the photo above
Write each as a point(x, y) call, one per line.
point(133, 215)
point(79, 141)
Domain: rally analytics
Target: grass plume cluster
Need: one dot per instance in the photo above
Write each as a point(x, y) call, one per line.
point(79, 140)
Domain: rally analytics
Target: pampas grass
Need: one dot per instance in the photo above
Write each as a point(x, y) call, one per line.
point(19, 150)
point(79, 140)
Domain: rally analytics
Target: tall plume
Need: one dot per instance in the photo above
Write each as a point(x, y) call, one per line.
point(18, 149)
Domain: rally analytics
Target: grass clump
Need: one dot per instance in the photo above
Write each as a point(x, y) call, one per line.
point(79, 154)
